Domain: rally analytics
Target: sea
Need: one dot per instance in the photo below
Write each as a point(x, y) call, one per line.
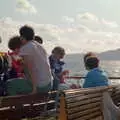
point(76, 68)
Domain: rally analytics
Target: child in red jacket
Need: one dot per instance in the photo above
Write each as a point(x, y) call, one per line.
point(16, 61)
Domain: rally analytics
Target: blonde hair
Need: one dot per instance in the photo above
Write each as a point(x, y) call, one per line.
point(58, 50)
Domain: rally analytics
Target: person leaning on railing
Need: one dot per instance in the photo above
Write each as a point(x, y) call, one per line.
point(96, 76)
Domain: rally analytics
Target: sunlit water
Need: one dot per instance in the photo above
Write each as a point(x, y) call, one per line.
point(77, 69)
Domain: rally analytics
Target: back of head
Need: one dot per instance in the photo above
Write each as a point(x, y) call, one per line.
point(91, 62)
point(58, 50)
point(27, 33)
point(14, 43)
point(38, 39)
point(89, 54)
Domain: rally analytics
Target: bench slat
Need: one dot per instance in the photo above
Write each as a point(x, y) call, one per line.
point(83, 107)
point(84, 102)
point(26, 111)
point(25, 99)
point(82, 97)
point(84, 113)
point(90, 116)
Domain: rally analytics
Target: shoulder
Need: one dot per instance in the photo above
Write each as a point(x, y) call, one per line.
point(52, 60)
point(26, 49)
point(27, 46)
point(38, 46)
point(95, 71)
point(90, 73)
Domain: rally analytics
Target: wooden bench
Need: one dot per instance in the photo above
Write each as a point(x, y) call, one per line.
point(25, 106)
point(85, 104)
point(78, 104)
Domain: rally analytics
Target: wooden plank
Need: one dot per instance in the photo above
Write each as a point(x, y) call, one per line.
point(90, 116)
point(26, 111)
point(98, 118)
point(84, 113)
point(79, 103)
point(83, 107)
point(70, 93)
point(83, 97)
point(24, 99)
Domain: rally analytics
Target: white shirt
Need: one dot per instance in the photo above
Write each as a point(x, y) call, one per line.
point(39, 62)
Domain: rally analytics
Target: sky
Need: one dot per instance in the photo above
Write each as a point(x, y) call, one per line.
point(77, 25)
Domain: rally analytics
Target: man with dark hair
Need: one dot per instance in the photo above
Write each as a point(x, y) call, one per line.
point(38, 39)
point(96, 76)
point(27, 33)
point(36, 61)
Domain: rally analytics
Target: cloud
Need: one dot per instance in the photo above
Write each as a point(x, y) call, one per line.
point(80, 37)
point(88, 17)
point(25, 6)
point(67, 19)
point(92, 21)
point(110, 23)
point(83, 29)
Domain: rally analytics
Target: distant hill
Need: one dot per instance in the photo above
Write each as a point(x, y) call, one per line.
point(108, 55)
point(74, 62)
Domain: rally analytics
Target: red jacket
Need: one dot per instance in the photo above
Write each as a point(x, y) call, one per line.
point(16, 63)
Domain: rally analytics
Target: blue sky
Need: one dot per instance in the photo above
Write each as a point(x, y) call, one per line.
point(77, 25)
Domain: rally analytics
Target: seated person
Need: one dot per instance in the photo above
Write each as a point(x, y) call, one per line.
point(96, 76)
point(15, 60)
point(17, 83)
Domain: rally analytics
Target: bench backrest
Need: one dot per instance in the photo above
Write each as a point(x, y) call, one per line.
point(16, 107)
point(85, 104)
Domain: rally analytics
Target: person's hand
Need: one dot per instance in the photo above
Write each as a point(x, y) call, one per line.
point(73, 86)
point(65, 72)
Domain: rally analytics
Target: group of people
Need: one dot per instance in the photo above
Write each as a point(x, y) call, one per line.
point(31, 70)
